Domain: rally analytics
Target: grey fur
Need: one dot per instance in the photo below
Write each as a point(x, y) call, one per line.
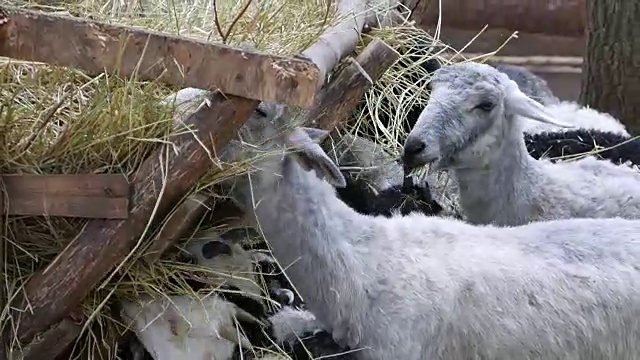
point(365, 159)
point(534, 86)
point(499, 183)
point(289, 324)
point(418, 287)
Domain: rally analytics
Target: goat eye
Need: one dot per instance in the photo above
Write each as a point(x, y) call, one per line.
point(486, 106)
point(261, 112)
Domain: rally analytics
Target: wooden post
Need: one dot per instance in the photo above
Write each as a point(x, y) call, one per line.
point(62, 286)
point(96, 47)
point(340, 97)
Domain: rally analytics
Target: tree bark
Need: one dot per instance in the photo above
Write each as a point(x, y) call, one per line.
point(611, 70)
point(552, 17)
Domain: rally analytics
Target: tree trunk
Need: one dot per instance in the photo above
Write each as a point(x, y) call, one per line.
point(611, 70)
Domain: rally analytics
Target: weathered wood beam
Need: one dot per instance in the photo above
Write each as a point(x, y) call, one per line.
point(102, 196)
point(169, 173)
point(341, 39)
point(96, 47)
point(54, 341)
point(552, 17)
point(179, 222)
point(340, 97)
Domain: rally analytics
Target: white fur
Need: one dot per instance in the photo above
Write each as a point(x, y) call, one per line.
point(184, 327)
point(180, 327)
point(422, 288)
point(579, 116)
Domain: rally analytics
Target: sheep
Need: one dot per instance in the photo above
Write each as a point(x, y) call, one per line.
point(555, 146)
point(366, 159)
point(178, 327)
point(379, 190)
point(472, 126)
point(402, 199)
point(301, 336)
point(159, 322)
point(570, 112)
point(532, 85)
point(443, 188)
point(291, 328)
point(420, 287)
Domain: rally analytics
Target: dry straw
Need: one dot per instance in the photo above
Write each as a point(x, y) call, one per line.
point(56, 120)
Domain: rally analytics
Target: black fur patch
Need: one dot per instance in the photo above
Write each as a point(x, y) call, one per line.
point(401, 198)
point(215, 248)
point(248, 304)
point(309, 347)
point(617, 148)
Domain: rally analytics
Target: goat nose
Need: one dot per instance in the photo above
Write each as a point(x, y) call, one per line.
point(412, 148)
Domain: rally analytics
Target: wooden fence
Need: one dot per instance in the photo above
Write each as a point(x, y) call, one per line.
point(120, 210)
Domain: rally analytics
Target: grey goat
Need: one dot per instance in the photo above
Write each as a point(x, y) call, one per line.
point(472, 127)
point(424, 288)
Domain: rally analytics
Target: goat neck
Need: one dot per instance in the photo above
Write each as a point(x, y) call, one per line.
point(502, 191)
point(308, 229)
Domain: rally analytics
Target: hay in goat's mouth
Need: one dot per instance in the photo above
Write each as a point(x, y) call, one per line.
point(58, 120)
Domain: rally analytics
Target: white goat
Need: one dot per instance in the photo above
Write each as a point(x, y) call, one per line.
point(419, 287)
point(472, 126)
point(184, 327)
point(568, 112)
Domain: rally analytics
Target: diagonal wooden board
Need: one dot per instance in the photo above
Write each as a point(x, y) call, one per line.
point(96, 47)
point(101, 196)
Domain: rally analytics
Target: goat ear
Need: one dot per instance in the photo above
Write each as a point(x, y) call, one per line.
point(518, 103)
point(311, 156)
point(316, 135)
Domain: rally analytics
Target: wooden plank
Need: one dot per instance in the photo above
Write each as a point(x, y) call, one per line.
point(524, 45)
point(336, 102)
point(103, 244)
point(96, 47)
point(551, 17)
point(100, 185)
point(102, 196)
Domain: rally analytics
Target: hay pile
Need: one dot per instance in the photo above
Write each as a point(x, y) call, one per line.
point(56, 120)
